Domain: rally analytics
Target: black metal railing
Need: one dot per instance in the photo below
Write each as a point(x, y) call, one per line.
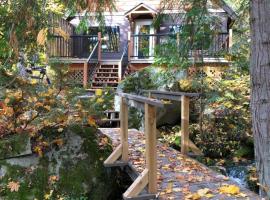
point(148, 45)
point(77, 46)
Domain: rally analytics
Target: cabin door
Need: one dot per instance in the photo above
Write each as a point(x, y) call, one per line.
point(144, 39)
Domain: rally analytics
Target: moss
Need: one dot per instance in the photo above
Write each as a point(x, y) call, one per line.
point(32, 183)
point(13, 145)
point(81, 176)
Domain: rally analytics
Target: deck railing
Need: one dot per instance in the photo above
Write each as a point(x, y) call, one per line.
point(145, 46)
point(77, 46)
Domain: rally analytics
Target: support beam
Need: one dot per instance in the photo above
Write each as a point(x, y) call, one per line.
point(138, 185)
point(130, 46)
point(151, 147)
point(114, 156)
point(184, 124)
point(99, 46)
point(85, 74)
point(230, 38)
point(124, 128)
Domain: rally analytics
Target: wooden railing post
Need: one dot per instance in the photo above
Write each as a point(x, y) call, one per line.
point(99, 46)
point(120, 71)
point(151, 147)
point(184, 124)
point(85, 74)
point(124, 128)
point(130, 46)
point(230, 38)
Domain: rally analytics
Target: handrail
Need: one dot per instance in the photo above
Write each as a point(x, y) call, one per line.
point(121, 68)
point(172, 94)
point(124, 52)
point(92, 53)
point(141, 99)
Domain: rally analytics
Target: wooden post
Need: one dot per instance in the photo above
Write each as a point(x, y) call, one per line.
point(120, 71)
point(184, 124)
point(129, 46)
point(124, 128)
point(99, 46)
point(85, 74)
point(151, 147)
point(230, 38)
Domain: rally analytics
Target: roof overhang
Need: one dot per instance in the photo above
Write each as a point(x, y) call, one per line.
point(140, 9)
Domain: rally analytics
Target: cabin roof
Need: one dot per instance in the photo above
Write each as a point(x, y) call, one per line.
point(226, 8)
point(141, 8)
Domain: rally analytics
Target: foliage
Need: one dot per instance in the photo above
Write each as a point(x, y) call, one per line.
point(195, 32)
point(226, 118)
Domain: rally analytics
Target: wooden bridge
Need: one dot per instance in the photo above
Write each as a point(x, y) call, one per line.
point(158, 171)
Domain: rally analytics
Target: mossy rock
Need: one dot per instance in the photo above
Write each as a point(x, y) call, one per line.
point(14, 146)
point(74, 171)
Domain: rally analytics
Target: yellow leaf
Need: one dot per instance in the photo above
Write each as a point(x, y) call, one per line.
point(229, 189)
point(13, 186)
point(169, 188)
point(195, 196)
point(62, 33)
point(100, 100)
point(203, 192)
point(41, 37)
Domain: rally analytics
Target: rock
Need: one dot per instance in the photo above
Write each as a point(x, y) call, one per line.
point(15, 146)
point(170, 114)
point(72, 171)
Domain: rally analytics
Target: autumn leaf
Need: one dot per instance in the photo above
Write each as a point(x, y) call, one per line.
point(229, 189)
point(38, 150)
point(13, 186)
point(61, 32)
point(58, 142)
point(41, 37)
point(53, 179)
point(91, 121)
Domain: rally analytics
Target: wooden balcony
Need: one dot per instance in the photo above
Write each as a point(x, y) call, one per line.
point(144, 47)
point(77, 46)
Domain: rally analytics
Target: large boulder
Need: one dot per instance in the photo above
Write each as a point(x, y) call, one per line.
point(71, 168)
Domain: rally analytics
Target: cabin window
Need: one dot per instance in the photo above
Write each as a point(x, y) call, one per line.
point(111, 37)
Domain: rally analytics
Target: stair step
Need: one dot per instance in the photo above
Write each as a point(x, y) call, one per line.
point(107, 69)
point(116, 73)
point(104, 77)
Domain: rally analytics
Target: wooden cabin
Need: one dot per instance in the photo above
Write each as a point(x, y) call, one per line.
point(128, 41)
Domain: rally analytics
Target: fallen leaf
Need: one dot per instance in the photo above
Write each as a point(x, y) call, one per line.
point(13, 186)
point(229, 189)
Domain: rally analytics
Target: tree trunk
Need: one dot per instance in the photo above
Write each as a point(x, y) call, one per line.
point(260, 86)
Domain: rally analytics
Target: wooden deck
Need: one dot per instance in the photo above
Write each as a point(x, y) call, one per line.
point(179, 177)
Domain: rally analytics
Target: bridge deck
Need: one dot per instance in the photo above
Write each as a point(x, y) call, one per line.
point(179, 177)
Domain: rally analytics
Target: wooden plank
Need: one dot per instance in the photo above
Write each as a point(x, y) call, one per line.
point(142, 197)
point(194, 148)
point(114, 156)
point(99, 46)
point(138, 185)
point(151, 147)
point(184, 124)
point(85, 74)
point(230, 38)
point(173, 93)
point(124, 129)
point(153, 102)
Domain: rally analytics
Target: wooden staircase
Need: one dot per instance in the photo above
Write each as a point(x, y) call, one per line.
point(106, 76)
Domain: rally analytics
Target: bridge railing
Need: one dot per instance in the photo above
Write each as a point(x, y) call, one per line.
point(120, 156)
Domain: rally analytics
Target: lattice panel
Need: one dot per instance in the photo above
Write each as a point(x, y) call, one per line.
point(76, 76)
